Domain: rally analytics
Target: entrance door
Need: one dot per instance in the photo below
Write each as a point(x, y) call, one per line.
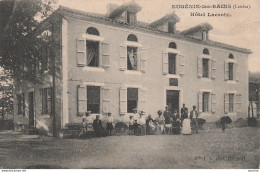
point(31, 109)
point(172, 99)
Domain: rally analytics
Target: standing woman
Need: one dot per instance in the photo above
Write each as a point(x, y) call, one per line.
point(109, 126)
point(160, 123)
point(186, 128)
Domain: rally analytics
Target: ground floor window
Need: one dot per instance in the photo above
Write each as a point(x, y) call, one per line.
point(93, 99)
point(47, 101)
point(205, 102)
point(132, 99)
point(231, 102)
point(21, 104)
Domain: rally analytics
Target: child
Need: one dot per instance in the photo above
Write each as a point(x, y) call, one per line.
point(131, 125)
point(109, 125)
point(84, 126)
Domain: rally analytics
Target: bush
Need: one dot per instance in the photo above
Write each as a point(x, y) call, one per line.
point(241, 122)
point(201, 122)
point(7, 124)
point(252, 122)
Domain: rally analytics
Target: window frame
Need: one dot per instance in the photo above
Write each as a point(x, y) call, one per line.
point(137, 103)
point(208, 68)
point(88, 37)
point(100, 98)
point(231, 95)
point(46, 111)
point(138, 46)
point(208, 102)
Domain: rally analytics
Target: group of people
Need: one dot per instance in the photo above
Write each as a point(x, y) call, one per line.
point(166, 122)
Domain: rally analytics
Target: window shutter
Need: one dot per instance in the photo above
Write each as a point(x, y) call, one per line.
point(199, 67)
point(105, 54)
point(213, 69)
point(182, 64)
point(226, 70)
point(122, 57)
point(237, 72)
point(82, 100)
point(142, 56)
point(226, 102)
point(123, 100)
point(238, 102)
point(81, 52)
point(142, 99)
point(165, 62)
point(213, 102)
point(200, 101)
point(105, 99)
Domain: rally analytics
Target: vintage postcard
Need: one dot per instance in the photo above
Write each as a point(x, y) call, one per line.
point(129, 84)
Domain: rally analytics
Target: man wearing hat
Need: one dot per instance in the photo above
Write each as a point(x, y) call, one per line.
point(194, 119)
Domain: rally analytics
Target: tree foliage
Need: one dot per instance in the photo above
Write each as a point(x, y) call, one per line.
point(6, 94)
point(20, 49)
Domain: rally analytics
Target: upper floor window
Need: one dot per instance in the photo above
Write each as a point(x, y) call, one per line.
point(92, 48)
point(92, 31)
point(132, 51)
point(205, 68)
point(230, 71)
point(173, 45)
point(206, 51)
point(130, 18)
point(171, 27)
point(204, 35)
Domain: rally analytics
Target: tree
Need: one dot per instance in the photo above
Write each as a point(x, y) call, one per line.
point(20, 48)
point(6, 94)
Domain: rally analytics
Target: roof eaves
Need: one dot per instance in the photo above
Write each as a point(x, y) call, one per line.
point(145, 27)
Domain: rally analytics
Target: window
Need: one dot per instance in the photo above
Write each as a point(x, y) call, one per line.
point(205, 66)
point(93, 99)
point(205, 102)
point(171, 27)
point(204, 35)
point(132, 37)
point(132, 99)
point(130, 18)
point(21, 104)
point(45, 58)
point(132, 59)
point(206, 51)
point(230, 71)
point(231, 56)
point(172, 45)
point(173, 82)
point(231, 102)
point(172, 63)
point(92, 53)
point(47, 101)
point(93, 31)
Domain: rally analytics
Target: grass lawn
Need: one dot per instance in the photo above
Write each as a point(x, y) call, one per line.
point(236, 148)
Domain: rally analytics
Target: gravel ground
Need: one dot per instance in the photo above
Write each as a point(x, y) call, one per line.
point(236, 148)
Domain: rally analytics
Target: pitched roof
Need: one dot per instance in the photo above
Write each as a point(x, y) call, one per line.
point(141, 26)
point(202, 26)
point(172, 17)
point(131, 6)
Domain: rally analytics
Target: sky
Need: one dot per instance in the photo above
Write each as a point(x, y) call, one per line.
point(242, 29)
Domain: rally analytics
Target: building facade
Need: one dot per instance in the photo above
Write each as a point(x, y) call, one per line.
point(114, 63)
